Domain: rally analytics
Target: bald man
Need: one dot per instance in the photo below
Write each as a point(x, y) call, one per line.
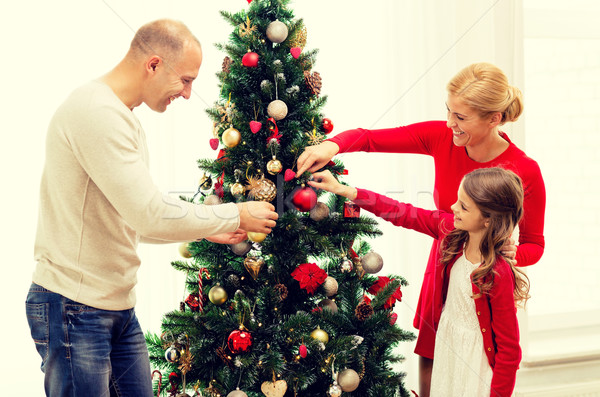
point(97, 201)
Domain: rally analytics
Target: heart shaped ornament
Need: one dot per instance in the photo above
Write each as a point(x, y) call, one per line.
point(253, 265)
point(255, 126)
point(289, 175)
point(274, 389)
point(295, 51)
point(214, 143)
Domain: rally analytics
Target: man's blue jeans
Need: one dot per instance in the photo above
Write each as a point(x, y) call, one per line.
point(87, 351)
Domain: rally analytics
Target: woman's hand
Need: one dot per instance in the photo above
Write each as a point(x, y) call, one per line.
point(316, 157)
point(509, 250)
point(229, 238)
point(326, 181)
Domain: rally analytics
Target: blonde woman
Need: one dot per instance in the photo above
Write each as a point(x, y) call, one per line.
point(480, 100)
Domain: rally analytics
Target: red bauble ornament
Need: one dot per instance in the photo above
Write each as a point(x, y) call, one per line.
point(305, 199)
point(393, 318)
point(250, 59)
point(327, 126)
point(255, 126)
point(239, 341)
point(303, 351)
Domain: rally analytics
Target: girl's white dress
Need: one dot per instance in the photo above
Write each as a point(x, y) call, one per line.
point(460, 366)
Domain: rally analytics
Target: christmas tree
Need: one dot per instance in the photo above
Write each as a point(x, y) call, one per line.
point(298, 312)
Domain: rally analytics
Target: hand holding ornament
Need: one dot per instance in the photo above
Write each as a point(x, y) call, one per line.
point(257, 216)
point(326, 181)
point(316, 157)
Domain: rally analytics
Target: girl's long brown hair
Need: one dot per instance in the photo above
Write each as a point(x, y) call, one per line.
point(498, 193)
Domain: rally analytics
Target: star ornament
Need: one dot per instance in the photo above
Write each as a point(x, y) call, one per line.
point(310, 276)
point(246, 28)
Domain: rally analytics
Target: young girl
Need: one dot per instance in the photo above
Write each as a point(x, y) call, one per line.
point(477, 350)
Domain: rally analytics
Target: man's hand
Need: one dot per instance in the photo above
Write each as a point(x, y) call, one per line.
point(257, 216)
point(229, 238)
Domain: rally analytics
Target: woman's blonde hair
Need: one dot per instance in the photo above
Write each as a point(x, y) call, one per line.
point(498, 194)
point(484, 88)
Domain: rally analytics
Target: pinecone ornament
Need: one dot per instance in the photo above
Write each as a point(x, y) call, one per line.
point(226, 65)
point(261, 189)
point(313, 81)
point(282, 291)
point(363, 311)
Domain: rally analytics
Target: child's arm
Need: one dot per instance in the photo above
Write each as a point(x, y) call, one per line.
point(505, 329)
point(432, 223)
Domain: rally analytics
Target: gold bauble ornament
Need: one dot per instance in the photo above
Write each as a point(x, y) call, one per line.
point(256, 237)
point(253, 265)
point(231, 137)
point(217, 295)
point(348, 380)
point(372, 262)
point(213, 199)
point(346, 265)
point(237, 189)
point(320, 335)
point(261, 189)
point(274, 166)
point(319, 212)
point(184, 250)
point(334, 390)
point(277, 109)
point(330, 286)
point(277, 31)
point(205, 182)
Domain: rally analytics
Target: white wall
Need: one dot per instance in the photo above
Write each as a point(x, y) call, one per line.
point(382, 65)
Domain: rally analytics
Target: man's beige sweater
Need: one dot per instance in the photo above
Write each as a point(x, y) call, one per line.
point(97, 200)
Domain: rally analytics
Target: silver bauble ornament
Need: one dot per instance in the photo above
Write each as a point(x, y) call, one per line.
point(277, 31)
point(172, 354)
point(328, 304)
point(330, 286)
point(346, 265)
point(241, 248)
point(372, 262)
point(348, 380)
point(237, 393)
point(277, 109)
point(319, 212)
point(334, 390)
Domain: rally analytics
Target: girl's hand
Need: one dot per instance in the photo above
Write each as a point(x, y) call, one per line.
point(326, 181)
point(316, 157)
point(509, 250)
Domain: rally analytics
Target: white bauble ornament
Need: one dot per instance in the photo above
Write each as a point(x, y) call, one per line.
point(213, 199)
point(277, 31)
point(237, 393)
point(277, 109)
point(372, 262)
point(330, 286)
point(348, 380)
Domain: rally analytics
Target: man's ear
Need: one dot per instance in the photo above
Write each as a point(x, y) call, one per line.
point(152, 63)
